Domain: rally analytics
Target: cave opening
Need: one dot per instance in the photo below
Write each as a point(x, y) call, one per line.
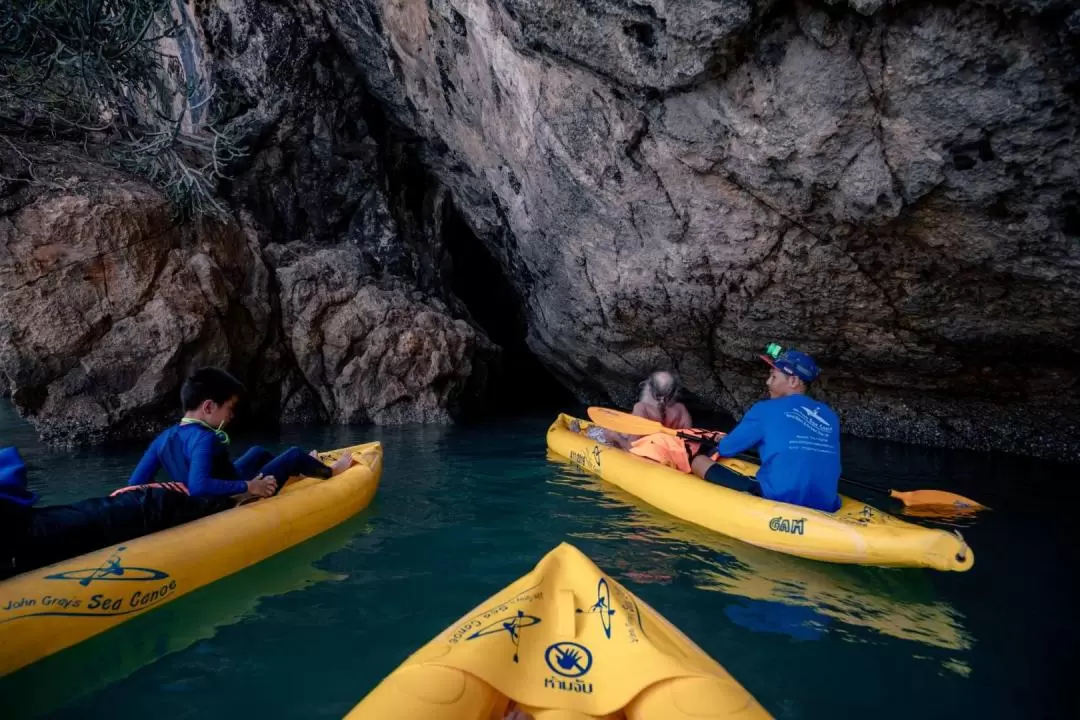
point(522, 384)
point(463, 266)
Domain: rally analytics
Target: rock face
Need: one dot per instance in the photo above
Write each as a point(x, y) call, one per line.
point(889, 186)
point(105, 302)
point(893, 190)
point(370, 352)
point(327, 293)
point(352, 227)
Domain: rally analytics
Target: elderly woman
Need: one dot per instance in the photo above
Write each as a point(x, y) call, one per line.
point(657, 401)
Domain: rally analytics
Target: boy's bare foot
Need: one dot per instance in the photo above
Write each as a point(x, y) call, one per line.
point(342, 464)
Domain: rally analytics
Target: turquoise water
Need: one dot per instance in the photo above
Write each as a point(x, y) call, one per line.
point(464, 511)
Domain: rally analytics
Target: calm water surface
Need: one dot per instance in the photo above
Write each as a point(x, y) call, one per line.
point(464, 511)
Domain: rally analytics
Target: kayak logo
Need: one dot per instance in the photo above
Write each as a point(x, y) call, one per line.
point(511, 627)
point(569, 659)
point(602, 606)
point(587, 460)
point(782, 524)
point(811, 419)
point(73, 602)
point(814, 414)
point(110, 570)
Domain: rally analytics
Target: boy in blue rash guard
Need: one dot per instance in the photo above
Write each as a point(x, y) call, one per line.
point(797, 438)
point(195, 452)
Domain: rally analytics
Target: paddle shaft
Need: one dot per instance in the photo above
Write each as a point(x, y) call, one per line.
point(755, 459)
point(857, 483)
point(867, 486)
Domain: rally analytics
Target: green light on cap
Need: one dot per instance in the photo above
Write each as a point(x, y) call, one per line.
point(773, 350)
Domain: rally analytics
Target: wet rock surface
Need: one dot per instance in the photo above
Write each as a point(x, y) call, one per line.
point(889, 186)
point(891, 189)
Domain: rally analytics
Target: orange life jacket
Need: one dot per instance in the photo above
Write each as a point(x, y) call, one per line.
point(664, 449)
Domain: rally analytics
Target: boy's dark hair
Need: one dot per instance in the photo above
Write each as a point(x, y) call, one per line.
point(209, 384)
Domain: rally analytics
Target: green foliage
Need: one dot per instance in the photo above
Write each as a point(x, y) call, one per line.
point(100, 71)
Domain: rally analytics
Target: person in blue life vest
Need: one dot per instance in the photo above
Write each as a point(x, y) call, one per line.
point(797, 439)
point(195, 451)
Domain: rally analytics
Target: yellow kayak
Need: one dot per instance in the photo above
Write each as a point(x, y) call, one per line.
point(875, 599)
point(856, 533)
point(66, 677)
point(565, 642)
point(47, 610)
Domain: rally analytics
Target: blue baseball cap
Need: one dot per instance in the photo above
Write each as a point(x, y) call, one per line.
point(13, 478)
point(793, 362)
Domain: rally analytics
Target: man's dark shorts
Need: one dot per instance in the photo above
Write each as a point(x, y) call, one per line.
point(721, 475)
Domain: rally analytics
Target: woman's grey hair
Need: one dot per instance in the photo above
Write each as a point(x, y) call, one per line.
point(660, 387)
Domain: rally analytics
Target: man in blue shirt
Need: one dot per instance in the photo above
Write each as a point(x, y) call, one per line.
point(195, 452)
point(797, 438)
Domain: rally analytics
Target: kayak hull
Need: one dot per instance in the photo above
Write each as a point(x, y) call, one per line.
point(856, 533)
point(52, 608)
point(564, 642)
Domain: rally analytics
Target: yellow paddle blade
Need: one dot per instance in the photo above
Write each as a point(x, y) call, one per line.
point(623, 422)
point(626, 423)
point(940, 498)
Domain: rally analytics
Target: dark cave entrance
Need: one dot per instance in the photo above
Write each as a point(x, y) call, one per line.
point(522, 384)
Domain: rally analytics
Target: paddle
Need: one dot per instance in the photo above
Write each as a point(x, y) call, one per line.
point(628, 424)
point(622, 422)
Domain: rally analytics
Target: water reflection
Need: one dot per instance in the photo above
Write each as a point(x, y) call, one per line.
point(781, 593)
point(111, 656)
point(943, 516)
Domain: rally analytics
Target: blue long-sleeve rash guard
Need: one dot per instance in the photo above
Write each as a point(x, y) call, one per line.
point(798, 439)
point(193, 455)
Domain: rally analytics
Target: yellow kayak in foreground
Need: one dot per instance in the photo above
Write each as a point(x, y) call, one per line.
point(46, 610)
point(856, 533)
point(565, 642)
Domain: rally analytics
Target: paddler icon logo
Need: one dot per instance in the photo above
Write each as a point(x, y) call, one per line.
point(602, 606)
point(511, 626)
point(111, 570)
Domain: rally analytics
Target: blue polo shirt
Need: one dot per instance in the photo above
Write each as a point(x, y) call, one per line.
point(798, 439)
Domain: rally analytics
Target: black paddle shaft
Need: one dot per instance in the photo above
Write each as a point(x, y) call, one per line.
point(755, 459)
